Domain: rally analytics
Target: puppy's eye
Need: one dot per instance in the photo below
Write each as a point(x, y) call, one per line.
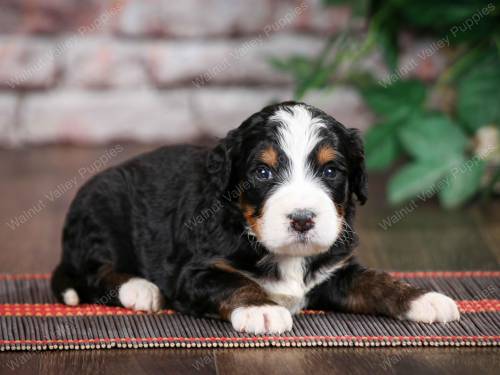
point(263, 173)
point(328, 172)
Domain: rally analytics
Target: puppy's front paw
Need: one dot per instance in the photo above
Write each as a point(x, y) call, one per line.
point(140, 294)
point(262, 319)
point(432, 307)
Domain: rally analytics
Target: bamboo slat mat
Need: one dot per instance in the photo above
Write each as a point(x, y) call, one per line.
point(30, 319)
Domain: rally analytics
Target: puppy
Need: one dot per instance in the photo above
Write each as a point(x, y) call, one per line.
point(251, 231)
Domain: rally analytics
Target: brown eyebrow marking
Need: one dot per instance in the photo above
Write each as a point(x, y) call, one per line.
point(325, 154)
point(270, 157)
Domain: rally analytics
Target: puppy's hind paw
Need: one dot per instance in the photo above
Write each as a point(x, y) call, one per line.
point(70, 297)
point(432, 307)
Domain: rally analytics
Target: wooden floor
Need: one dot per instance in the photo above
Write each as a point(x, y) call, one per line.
point(38, 184)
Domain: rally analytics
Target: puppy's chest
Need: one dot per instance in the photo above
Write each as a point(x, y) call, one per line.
point(290, 289)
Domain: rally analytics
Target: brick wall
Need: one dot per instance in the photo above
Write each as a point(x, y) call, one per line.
point(96, 71)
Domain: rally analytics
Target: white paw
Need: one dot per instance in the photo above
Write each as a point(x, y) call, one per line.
point(433, 307)
point(140, 294)
point(262, 319)
point(70, 297)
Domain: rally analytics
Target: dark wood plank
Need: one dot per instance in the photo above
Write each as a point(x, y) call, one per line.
point(422, 236)
point(28, 178)
point(110, 362)
point(307, 361)
point(373, 361)
point(487, 219)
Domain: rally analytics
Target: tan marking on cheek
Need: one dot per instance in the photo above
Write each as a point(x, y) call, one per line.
point(340, 209)
point(249, 215)
point(269, 157)
point(325, 155)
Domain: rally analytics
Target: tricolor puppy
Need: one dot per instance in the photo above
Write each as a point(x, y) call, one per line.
point(251, 231)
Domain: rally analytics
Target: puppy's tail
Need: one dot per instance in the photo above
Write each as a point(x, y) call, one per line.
point(64, 287)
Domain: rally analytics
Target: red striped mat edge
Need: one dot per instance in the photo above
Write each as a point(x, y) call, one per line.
point(57, 310)
point(241, 342)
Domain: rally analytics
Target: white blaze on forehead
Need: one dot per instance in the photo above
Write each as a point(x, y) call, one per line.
point(298, 136)
point(300, 188)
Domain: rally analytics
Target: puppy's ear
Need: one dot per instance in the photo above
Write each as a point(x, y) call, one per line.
point(357, 171)
point(220, 161)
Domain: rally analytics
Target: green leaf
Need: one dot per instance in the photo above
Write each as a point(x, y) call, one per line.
point(335, 2)
point(442, 18)
point(384, 155)
point(385, 26)
point(359, 7)
point(390, 49)
point(463, 182)
point(317, 80)
point(440, 14)
point(381, 146)
point(432, 137)
point(397, 100)
point(416, 178)
point(479, 94)
point(299, 66)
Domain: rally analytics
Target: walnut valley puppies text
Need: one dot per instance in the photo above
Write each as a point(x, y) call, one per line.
point(64, 187)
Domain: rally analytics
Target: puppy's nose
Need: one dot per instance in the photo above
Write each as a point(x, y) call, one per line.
point(302, 220)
